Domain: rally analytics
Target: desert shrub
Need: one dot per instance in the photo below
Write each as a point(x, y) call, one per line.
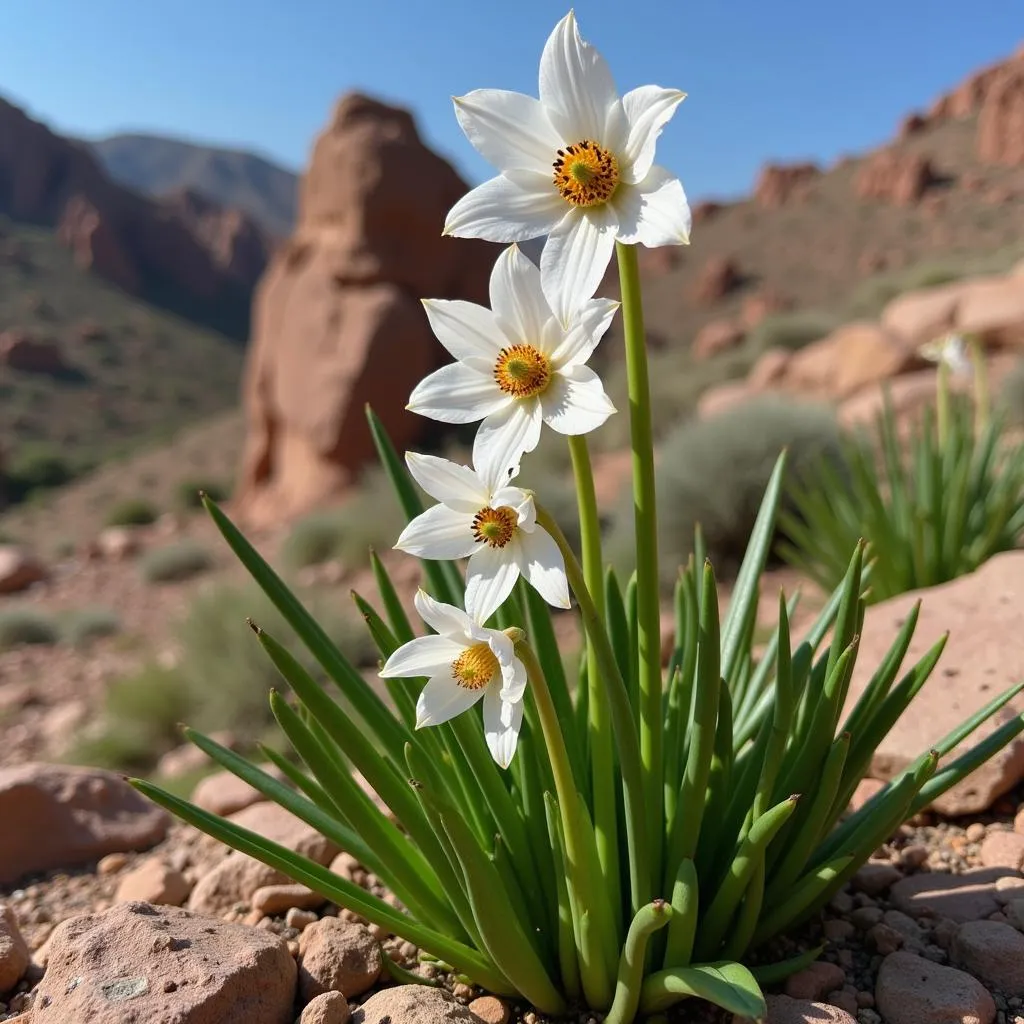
point(713, 473)
point(175, 562)
point(26, 626)
point(35, 468)
point(83, 625)
point(369, 519)
point(929, 515)
point(187, 493)
point(221, 678)
point(791, 330)
point(132, 512)
point(1011, 395)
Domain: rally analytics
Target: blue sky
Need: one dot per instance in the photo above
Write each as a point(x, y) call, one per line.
point(783, 80)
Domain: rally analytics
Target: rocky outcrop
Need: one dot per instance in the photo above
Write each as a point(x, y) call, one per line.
point(719, 276)
point(777, 184)
point(893, 177)
point(142, 245)
point(1001, 118)
point(21, 350)
point(337, 317)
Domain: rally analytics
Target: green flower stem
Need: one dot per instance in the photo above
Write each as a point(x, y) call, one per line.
point(645, 516)
point(631, 967)
point(597, 944)
point(942, 402)
point(602, 759)
point(982, 398)
point(637, 840)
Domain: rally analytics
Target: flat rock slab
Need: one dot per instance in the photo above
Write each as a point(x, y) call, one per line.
point(971, 896)
point(56, 816)
point(141, 964)
point(984, 614)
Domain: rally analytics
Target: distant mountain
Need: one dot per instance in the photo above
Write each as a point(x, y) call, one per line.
point(156, 165)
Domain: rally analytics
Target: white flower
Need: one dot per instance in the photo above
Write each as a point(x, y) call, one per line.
point(494, 524)
point(518, 367)
point(950, 349)
point(464, 661)
point(576, 165)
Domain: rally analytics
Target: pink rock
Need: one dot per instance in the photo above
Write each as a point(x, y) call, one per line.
point(153, 881)
point(993, 952)
point(913, 990)
point(413, 1004)
point(136, 962)
point(274, 822)
point(1002, 850)
point(18, 569)
point(970, 896)
point(984, 612)
point(875, 877)
point(276, 899)
point(816, 981)
point(67, 816)
point(232, 881)
point(223, 793)
point(326, 1008)
point(14, 954)
point(337, 955)
point(786, 1010)
point(490, 1009)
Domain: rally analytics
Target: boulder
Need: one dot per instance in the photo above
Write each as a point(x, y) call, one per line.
point(716, 337)
point(777, 184)
point(921, 316)
point(984, 613)
point(20, 350)
point(337, 317)
point(413, 1004)
point(137, 962)
point(993, 309)
point(718, 277)
point(19, 569)
point(67, 816)
point(913, 990)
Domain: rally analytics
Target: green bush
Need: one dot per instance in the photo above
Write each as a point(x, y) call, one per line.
point(221, 679)
point(1011, 396)
point(84, 625)
point(369, 519)
point(929, 515)
point(132, 512)
point(791, 330)
point(713, 473)
point(26, 626)
point(175, 562)
point(188, 492)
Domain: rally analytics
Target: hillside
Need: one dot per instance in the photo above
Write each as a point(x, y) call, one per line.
point(156, 165)
point(86, 371)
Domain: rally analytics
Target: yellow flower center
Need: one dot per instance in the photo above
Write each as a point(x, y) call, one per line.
point(586, 174)
point(474, 667)
point(495, 526)
point(522, 371)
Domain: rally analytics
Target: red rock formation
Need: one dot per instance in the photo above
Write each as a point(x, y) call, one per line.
point(716, 337)
point(911, 124)
point(1001, 118)
point(777, 184)
point(761, 304)
point(137, 242)
point(719, 276)
point(337, 316)
point(900, 178)
point(707, 210)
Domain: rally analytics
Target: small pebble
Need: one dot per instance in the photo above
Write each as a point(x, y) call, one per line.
point(866, 917)
point(299, 919)
point(975, 832)
point(111, 864)
point(462, 991)
point(490, 1009)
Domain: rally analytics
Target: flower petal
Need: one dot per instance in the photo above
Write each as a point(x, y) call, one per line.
point(458, 393)
point(448, 620)
point(655, 212)
point(503, 438)
point(490, 577)
point(517, 298)
point(440, 532)
point(512, 207)
point(424, 656)
point(502, 721)
point(513, 680)
point(576, 402)
point(441, 699)
point(576, 84)
point(457, 486)
point(648, 109)
point(575, 258)
point(501, 647)
point(467, 330)
point(542, 564)
point(587, 328)
point(509, 129)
